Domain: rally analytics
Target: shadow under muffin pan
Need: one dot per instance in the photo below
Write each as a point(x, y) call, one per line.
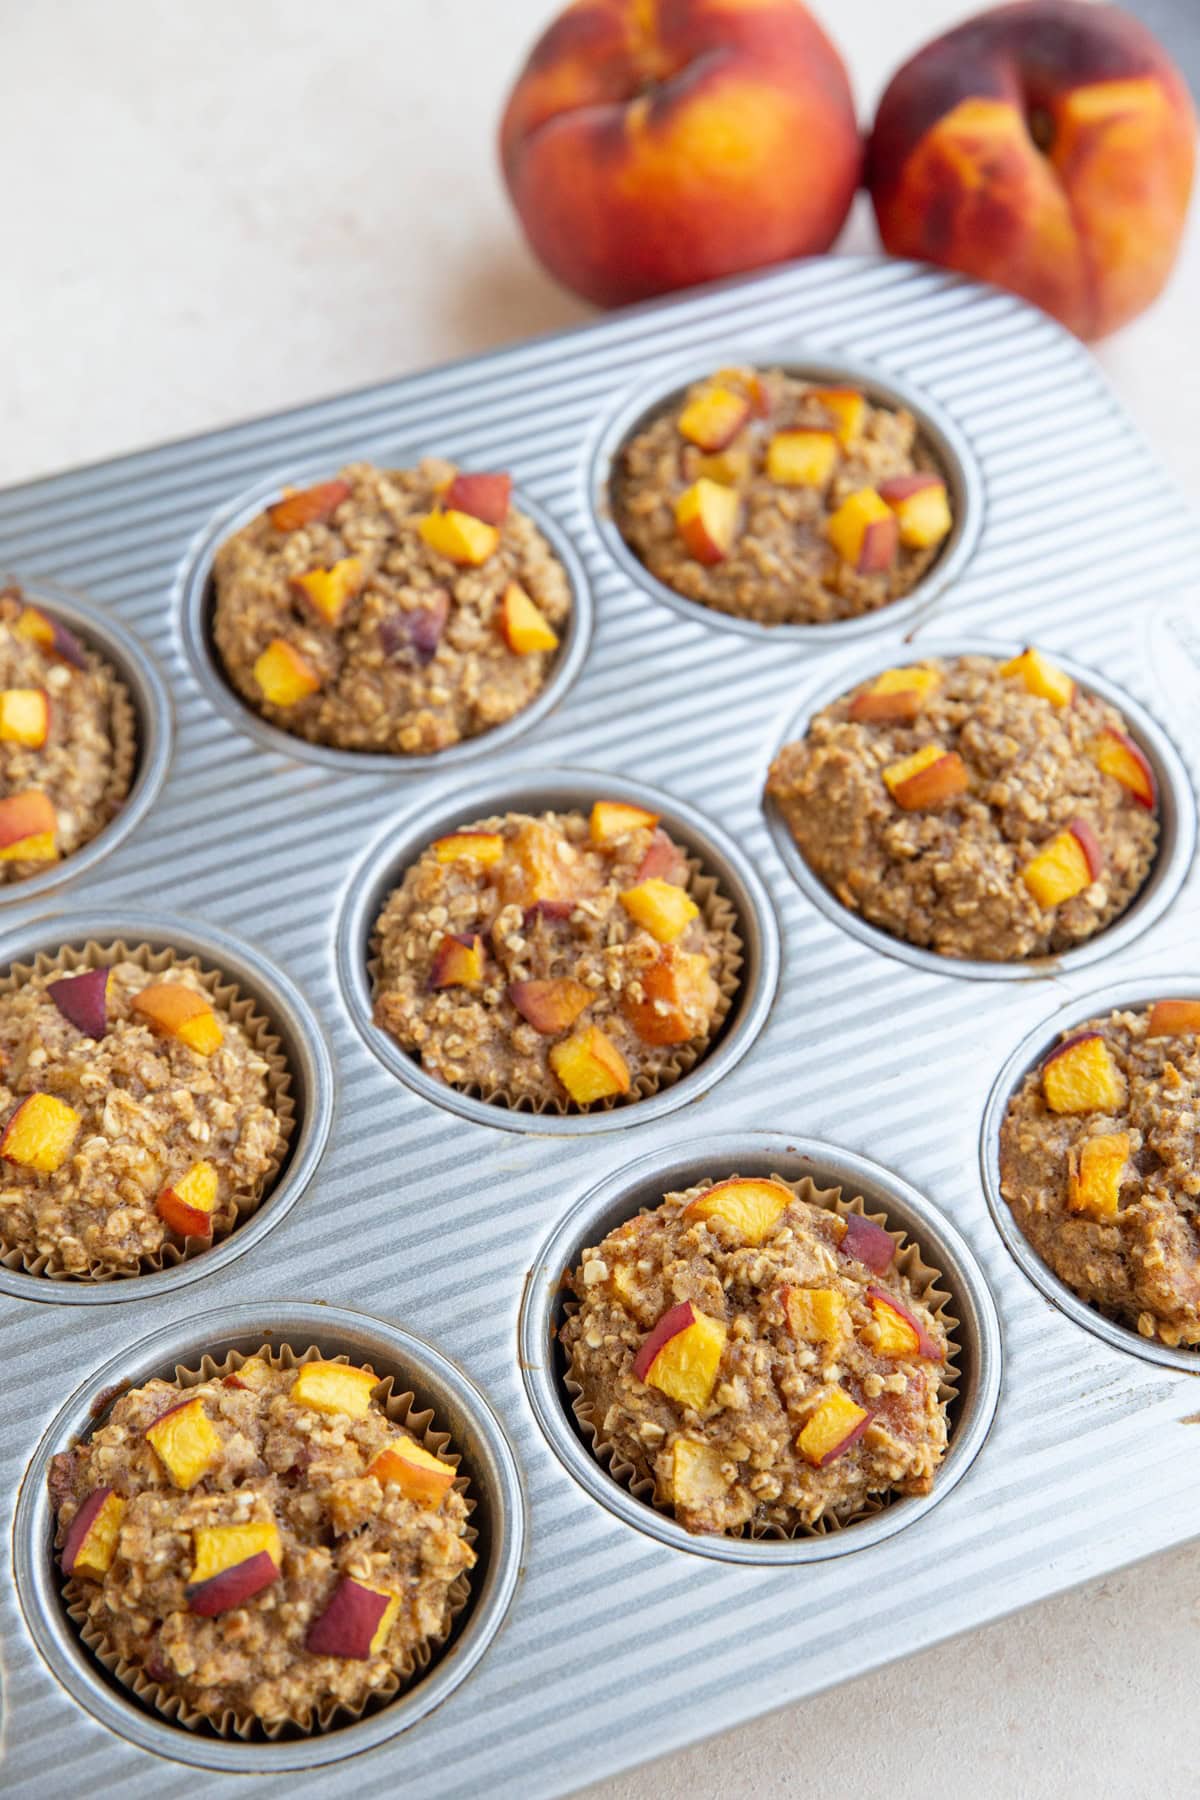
point(301, 1042)
point(1129, 996)
point(196, 591)
point(642, 1185)
point(1176, 822)
point(153, 723)
point(458, 1407)
point(936, 429)
point(562, 790)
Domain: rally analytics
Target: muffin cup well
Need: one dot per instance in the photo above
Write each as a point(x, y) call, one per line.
point(934, 1254)
point(279, 1024)
point(196, 597)
point(425, 1386)
point(1029, 1053)
point(667, 386)
point(1176, 821)
point(735, 904)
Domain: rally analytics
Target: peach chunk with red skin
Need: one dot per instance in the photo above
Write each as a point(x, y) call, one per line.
point(865, 532)
point(458, 961)
point(309, 506)
point(921, 506)
point(1095, 1170)
point(232, 1563)
point(836, 1424)
point(552, 1005)
point(24, 717)
point(283, 675)
point(83, 1001)
point(752, 1208)
point(713, 418)
point(1116, 754)
point(185, 1442)
point(1173, 1018)
point(664, 860)
point(179, 1012)
point(355, 1623)
point(899, 1332)
point(91, 1541)
point(37, 627)
point(706, 516)
point(614, 819)
point(590, 1066)
point(1080, 1075)
point(678, 995)
point(866, 1242)
point(28, 827)
point(1066, 866)
point(40, 1133)
point(331, 1387)
point(187, 1204)
point(418, 1473)
point(682, 1354)
point(896, 694)
point(929, 777)
point(484, 497)
point(522, 625)
point(1040, 676)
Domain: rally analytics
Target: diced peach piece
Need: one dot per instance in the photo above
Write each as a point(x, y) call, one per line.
point(682, 1354)
point(897, 1331)
point(679, 994)
point(51, 634)
point(897, 694)
point(232, 1587)
point(922, 509)
point(83, 1001)
point(1174, 1018)
point(1068, 864)
point(550, 1006)
point(534, 871)
point(696, 1479)
point(283, 675)
point(664, 859)
point(801, 458)
point(181, 1013)
point(1095, 1169)
point(1081, 1076)
point(613, 819)
point(927, 778)
point(308, 506)
point(24, 717)
point(1041, 677)
point(28, 824)
point(751, 385)
point(185, 1442)
point(187, 1205)
point(458, 961)
point(836, 1424)
point(816, 1315)
point(484, 847)
point(92, 1535)
point(867, 1243)
point(1117, 755)
point(39, 1135)
point(849, 409)
point(865, 533)
point(328, 590)
point(459, 536)
point(714, 417)
point(706, 515)
point(590, 1066)
point(752, 1208)
point(624, 1286)
point(485, 497)
point(332, 1387)
point(355, 1623)
point(418, 1474)
point(663, 909)
point(521, 625)
point(728, 467)
point(231, 1564)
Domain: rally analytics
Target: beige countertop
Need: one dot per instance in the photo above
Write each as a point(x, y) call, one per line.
point(217, 210)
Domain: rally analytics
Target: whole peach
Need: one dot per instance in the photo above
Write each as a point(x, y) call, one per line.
point(1048, 146)
point(651, 144)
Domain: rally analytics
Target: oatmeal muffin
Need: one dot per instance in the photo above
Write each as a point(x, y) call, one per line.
point(772, 498)
point(762, 1359)
point(1098, 1163)
point(144, 1115)
point(397, 610)
point(66, 740)
point(555, 961)
point(981, 809)
point(265, 1545)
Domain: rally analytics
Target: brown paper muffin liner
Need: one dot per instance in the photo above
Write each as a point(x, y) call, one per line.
point(720, 916)
point(402, 1410)
point(925, 1281)
point(227, 1000)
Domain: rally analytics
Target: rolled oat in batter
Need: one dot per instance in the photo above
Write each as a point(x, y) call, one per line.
point(66, 740)
point(1098, 1161)
point(978, 808)
point(782, 500)
point(761, 1358)
point(138, 1116)
point(555, 961)
point(267, 1544)
point(396, 610)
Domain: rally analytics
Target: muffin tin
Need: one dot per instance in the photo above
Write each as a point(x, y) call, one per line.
point(443, 1218)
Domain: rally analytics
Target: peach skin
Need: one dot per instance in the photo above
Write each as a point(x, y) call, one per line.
point(652, 144)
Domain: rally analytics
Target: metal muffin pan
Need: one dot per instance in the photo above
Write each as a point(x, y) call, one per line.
point(197, 600)
point(617, 1645)
point(950, 446)
point(1176, 816)
point(458, 1408)
point(301, 1041)
point(642, 1185)
point(1029, 1053)
point(563, 790)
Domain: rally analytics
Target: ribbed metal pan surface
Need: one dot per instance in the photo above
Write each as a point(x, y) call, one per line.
point(617, 1645)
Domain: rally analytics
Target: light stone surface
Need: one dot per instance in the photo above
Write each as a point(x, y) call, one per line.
point(215, 211)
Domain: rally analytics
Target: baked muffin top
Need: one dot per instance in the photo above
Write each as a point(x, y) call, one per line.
point(975, 806)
